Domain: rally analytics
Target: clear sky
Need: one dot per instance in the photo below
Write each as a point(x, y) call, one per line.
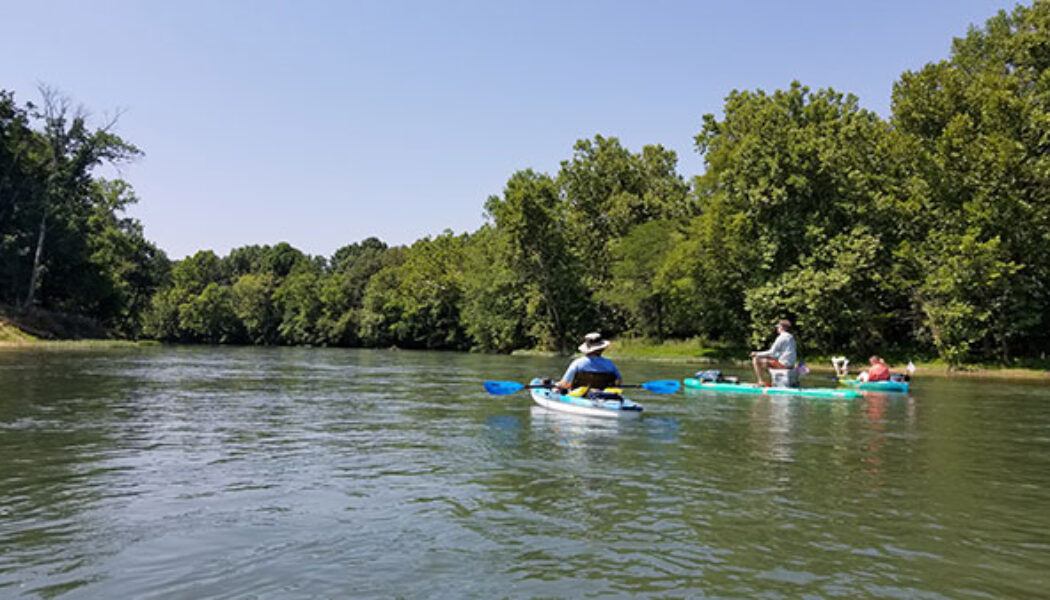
point(322, 123)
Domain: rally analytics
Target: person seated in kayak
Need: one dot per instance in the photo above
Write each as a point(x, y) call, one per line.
point(591, 370)
point(878, 371)
point(780, 356)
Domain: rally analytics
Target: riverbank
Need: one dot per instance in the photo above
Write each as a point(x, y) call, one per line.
point(694, 353)
point(6, 345)
point(15, 338)
point(11, 335)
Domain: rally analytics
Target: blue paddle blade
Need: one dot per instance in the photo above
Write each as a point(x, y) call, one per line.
point(663, 386)
point(502, 388)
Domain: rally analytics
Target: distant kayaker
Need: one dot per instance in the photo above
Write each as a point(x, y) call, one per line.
point(591, 369)
point(780, 356)
point(878, 371)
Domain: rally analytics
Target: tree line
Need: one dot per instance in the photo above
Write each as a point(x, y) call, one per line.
point(925, 231)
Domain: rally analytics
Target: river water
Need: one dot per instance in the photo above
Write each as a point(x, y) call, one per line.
point(196, 472)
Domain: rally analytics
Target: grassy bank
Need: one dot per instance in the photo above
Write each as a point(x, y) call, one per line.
point(9, 334)
point(72, 344)
point(14, 338)
point(685, 351)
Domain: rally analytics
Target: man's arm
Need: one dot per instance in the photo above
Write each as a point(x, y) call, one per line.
point(566, 379)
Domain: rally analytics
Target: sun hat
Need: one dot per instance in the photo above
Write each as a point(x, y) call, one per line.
point(592, 342)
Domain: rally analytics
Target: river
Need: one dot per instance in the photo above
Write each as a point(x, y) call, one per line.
point(199, 472)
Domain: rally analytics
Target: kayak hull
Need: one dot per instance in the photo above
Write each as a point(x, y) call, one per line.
point(750, 388)
point(608, 409)
point(877, 386)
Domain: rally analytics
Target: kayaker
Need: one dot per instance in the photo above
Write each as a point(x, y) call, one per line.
point(780, 356)
point(592, 369)
point(878, 371)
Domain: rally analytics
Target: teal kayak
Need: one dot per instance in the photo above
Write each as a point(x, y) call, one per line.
point(554, 400)
point(877, 386)
point(751, 388)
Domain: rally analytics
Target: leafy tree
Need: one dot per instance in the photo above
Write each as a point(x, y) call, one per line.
point(209, 316)
point(342, 291)
point(299, 305)
point(531, 216)
point(980, 119)
point(252, 298)
point(797, 179)
point(608, 190)
point(494, 308)
point(635, 287)
point(21, 186)
point(170, 316)
point(192, 274)
point(64, 163)
point(416, 303)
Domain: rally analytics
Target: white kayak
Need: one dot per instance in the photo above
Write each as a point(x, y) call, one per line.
point(553, 400)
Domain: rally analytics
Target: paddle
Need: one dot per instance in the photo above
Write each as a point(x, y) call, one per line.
point(502, 388)
point(660, 386)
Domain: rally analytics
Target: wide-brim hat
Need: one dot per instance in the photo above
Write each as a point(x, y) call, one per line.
point(592, 342)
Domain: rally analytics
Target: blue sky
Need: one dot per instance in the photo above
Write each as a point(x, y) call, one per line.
point(322, 123)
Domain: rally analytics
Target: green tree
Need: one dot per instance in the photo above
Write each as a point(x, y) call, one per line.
point(209, 316)
point(64, 163)
point(252, 298)
point(494, 310)
point(416, 303)
point(636, 287)
point(299, 304)
point(343, 290)
point(531, 217)
point(608, 190)
point(170, 316)
point(981, 120)
point(806, 183)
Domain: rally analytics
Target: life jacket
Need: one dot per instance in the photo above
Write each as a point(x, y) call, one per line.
point(595, 386)
point(879, 372)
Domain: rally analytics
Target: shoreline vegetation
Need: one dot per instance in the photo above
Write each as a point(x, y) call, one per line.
point(695, 353)
point(919, 235)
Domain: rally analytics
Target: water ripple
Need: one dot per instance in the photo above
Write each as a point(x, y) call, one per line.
point(299, 473)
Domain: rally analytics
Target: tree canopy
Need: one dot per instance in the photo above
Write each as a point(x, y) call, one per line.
point(921, 232)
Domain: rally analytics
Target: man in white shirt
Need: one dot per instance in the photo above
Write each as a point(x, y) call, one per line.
point(781, 356)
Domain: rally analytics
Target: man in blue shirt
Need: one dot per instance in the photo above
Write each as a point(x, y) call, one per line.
point(591, 369)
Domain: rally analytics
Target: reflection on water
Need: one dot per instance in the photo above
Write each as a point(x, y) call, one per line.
point(300, 473)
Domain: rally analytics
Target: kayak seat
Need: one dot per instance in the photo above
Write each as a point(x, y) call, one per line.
point(593, 380)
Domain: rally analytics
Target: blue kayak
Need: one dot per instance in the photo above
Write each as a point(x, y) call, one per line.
point(877, 386)
point(554, 400)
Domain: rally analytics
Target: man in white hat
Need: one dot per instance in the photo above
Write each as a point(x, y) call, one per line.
point(591, 369)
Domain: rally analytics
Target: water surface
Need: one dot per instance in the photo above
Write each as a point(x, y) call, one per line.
point(186, 472)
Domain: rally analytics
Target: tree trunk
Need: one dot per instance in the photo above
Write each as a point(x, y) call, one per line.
point(34, 276)
point(552, 309)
